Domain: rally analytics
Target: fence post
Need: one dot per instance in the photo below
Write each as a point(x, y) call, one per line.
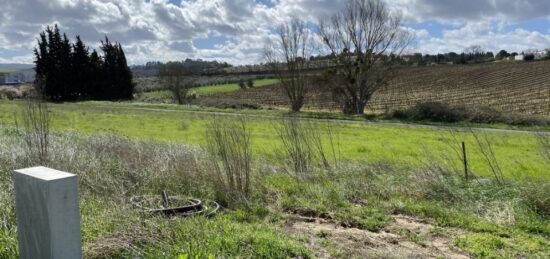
point(48, 216)
point(465, 160)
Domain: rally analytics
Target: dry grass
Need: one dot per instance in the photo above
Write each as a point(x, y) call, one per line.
point(306, 144)
point(229, 147)
point(36, 123)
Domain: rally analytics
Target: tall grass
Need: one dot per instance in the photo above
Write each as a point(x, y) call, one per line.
point(229, 147)
point(306, 144)
point(36, 119)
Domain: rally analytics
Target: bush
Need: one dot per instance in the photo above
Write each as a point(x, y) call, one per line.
point(441, 112)
point(242, 85)
point(529, 57)
point(250, 83)
point(9, 94)
point(434, 111)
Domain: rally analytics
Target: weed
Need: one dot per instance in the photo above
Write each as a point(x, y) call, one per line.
point(229, 147)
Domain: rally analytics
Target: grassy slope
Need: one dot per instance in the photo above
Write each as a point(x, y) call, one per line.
point(405, 147)
point(214, 89)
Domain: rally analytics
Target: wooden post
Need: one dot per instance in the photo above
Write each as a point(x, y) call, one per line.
point(48, 216)
point(465, 159)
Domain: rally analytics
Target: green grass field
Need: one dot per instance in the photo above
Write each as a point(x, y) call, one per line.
point(396, 186)
point(214, 89)
point(408, 147)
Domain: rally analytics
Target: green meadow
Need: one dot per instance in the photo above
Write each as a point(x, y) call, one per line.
point(213, 89)
point(401, 187)
point(407, 147)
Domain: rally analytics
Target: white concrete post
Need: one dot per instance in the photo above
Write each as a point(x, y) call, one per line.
point(47, 211)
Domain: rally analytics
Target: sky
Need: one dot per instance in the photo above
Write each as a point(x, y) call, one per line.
point(236, 31)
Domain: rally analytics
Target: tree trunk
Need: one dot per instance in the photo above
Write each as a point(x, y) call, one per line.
point(297, 105)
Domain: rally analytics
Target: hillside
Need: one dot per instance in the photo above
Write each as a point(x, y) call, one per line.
point(518, 87)
point(5, 68)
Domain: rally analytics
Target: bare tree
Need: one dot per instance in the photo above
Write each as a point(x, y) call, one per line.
point(288, 56)
point(475, 53)
point(475, 50)
point(364, 40)
point(177, 79)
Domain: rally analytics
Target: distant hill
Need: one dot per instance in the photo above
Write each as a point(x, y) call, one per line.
point(11, 67)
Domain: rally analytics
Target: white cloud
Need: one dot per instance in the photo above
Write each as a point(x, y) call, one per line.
point(159, 30)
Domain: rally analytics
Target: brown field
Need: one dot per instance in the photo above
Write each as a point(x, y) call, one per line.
point(515, 87)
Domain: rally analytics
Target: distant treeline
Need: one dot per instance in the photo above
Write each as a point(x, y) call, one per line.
point(472, 55)
point(195, 67)
point(67, 71)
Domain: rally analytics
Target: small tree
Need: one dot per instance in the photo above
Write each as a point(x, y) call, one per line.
point(502, 55)
point(288, 57)
point(242, 85)
point(362, 40)
point(175, 77)
point(250, 83)
point(529, 57)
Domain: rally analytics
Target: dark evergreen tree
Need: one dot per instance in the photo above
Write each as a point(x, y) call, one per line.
point(124, 75)
point(81, 75)
point(97, 79)
point(69, 72)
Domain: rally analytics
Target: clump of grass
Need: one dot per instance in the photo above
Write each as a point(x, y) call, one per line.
point(36, 119)
point(304, 144)
point(229, 147)
point(221, 237)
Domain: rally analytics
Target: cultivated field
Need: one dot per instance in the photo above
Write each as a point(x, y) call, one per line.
point(517, 87)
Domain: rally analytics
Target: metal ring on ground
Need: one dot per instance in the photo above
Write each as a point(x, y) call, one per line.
point(185, 207)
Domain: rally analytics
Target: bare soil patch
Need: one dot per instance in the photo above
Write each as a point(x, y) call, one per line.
point(403, 237)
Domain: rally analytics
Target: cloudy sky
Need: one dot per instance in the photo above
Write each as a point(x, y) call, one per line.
point(236, 30)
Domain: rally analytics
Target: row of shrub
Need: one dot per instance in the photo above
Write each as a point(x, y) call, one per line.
point(442, 112)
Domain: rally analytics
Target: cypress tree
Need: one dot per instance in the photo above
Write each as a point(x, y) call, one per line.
point(68, 71)
point(81, 75)
point(109, 69)
point(96, 76)
point(124, 75)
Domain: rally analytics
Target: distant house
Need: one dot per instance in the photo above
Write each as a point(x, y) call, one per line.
point(519, 57)
point(541, 54)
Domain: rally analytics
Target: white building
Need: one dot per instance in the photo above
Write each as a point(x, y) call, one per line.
point(21, 76)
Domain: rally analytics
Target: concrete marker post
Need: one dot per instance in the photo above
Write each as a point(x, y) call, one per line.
point(48, 215)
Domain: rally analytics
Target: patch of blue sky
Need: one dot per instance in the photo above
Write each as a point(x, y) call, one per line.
point(175, 2)
point(268, 3)
point(210, 42)
point(435, 29)
point(541, 25)
point(13, 53)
